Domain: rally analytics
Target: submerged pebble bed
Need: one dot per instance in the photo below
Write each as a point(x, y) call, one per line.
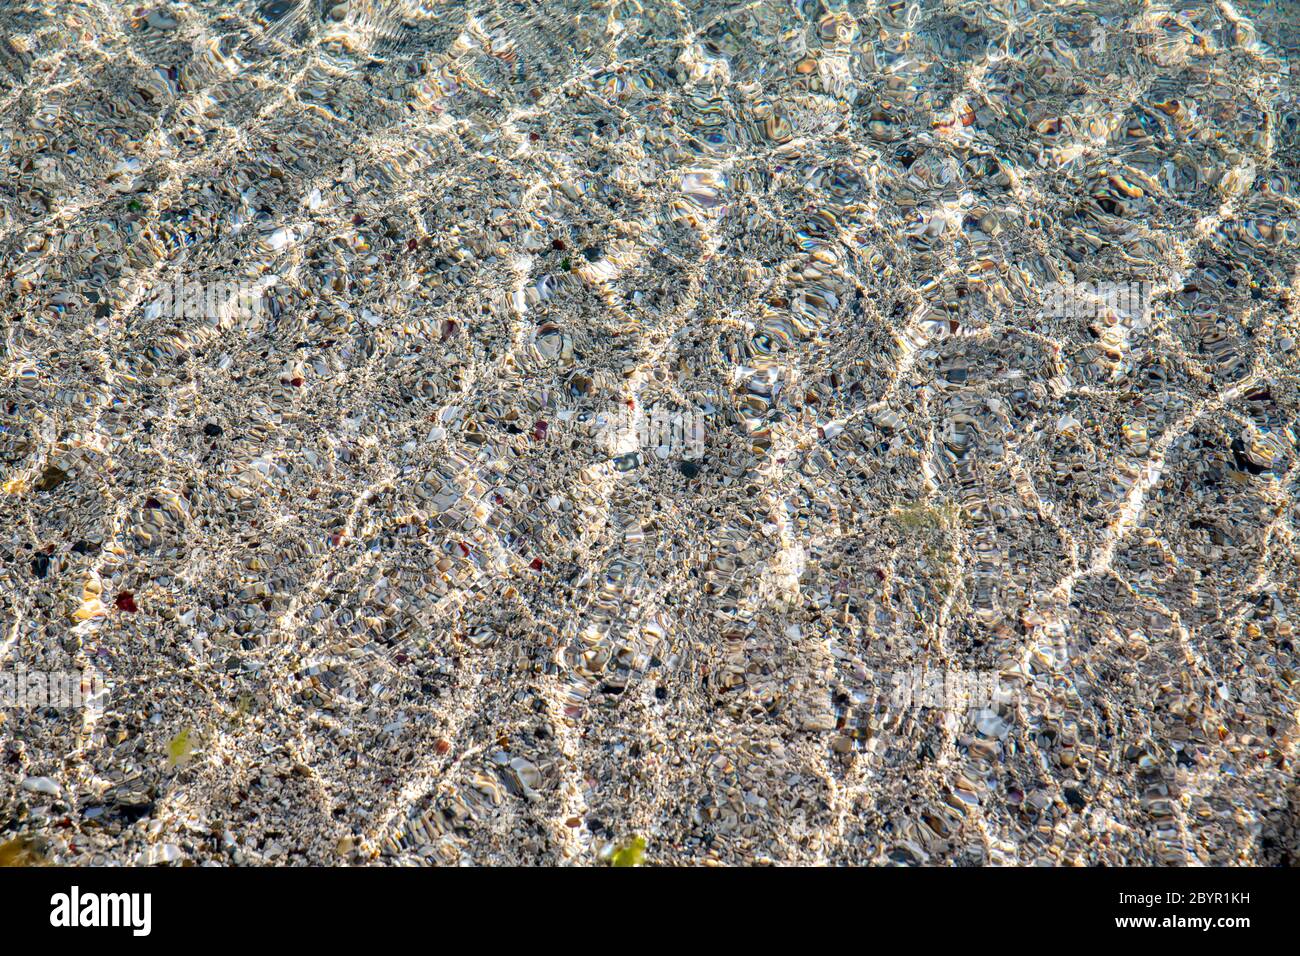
point(672, 432)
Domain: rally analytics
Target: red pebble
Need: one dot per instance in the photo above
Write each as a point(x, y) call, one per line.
point(537, 564)
point(126, 602)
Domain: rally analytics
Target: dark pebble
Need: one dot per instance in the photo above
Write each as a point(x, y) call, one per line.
point(277, 9)
point(51, 478)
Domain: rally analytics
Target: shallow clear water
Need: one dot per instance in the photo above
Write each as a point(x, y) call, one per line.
point(801, 432)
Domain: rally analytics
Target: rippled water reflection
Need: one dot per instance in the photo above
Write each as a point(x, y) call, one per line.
point(342, 348)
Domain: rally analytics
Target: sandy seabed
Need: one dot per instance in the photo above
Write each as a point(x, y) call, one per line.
point(649, 432)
